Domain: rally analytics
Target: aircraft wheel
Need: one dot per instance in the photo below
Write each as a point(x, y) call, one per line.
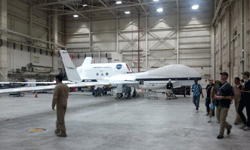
point(119, 95)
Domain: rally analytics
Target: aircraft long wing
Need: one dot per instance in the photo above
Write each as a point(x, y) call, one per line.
point(27, 82)
point(33, 82)
point(50, 87)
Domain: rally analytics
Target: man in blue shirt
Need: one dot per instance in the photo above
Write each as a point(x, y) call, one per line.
point(197, 91)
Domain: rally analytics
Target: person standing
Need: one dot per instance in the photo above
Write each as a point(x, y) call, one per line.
point(223, 95)
point(212, 106)
point(197, 91)
point(208, 98)
point(237, 96)
point(60, 98)
point(245, 102)
point(169, 89)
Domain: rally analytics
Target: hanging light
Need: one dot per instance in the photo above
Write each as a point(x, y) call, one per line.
point(127, 12)
point(118, 2)
point(159, 10)
point(194, 7)
point(75, 16)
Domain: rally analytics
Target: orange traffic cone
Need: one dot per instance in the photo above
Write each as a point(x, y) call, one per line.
point(36, 95)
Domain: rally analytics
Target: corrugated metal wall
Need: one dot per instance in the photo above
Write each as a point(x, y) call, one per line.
point(18, 19)
point(232, 40)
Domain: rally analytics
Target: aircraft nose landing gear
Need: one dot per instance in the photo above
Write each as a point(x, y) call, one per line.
point(119, 95)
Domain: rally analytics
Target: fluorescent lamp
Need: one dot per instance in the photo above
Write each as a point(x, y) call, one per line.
point(127, 12)
point(159, 10)
point(118, 2)
point(195, 7)
point(75, 16)
point(156, 0)
point(84, 5)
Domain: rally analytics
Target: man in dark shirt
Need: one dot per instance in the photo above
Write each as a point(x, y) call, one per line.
point(223, 94)
point(169, 89)
point(245, 102)
point(208, 99)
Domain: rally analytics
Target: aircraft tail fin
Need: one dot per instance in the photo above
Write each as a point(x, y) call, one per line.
point(87, 61)
point(70, 68)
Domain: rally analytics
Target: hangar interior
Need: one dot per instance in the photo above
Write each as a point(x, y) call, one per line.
point(32, 32)
point(211, 36)
point(211, 39)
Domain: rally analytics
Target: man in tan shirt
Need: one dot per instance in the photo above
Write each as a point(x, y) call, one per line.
point(237, 96)
point(60, 100)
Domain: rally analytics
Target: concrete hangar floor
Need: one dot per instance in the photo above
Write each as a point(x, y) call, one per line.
point(104, 123)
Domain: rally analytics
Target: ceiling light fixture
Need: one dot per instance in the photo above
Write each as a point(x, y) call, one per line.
point(118, 2)
point(84, 5)
point(156, 0)
point(75, 16)
point(127, 12)
point(159, 10)
point(194, 7)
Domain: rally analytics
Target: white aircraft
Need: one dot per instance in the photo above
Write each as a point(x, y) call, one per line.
point(116, 74)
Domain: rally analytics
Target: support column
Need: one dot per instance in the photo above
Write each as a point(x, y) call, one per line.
point(30, 17)
point(242, 35)
point(90, 36)
point(146, 39)
point(246, 52)
point(212, 76)
point(220, 44)
point(3, 36)
point(117, 35)
point(139, 41)
point(178, 31)
point(55, 47)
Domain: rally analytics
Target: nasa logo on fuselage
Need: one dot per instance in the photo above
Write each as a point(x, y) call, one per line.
point(119, 66)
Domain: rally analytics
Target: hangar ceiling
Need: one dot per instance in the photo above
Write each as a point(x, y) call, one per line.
point(107, 9)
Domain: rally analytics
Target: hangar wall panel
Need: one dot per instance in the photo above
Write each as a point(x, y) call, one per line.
point(247, 35)
point(18, 21)
point(218, 64)
point(236, 33)
point(225, 53)
point(232, 40)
